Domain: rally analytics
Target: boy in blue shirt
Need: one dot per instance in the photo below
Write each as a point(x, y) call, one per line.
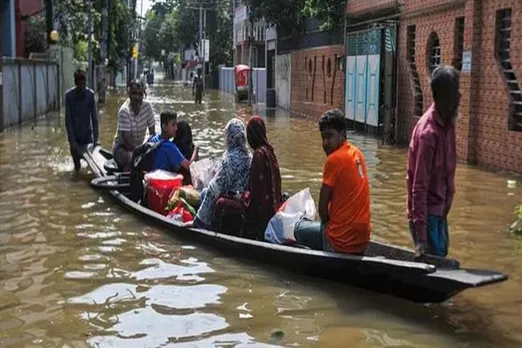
point(167, 156)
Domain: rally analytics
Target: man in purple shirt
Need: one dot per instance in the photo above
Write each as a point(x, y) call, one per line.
point(432, 161)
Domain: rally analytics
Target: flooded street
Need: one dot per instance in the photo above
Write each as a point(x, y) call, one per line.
point(76, 270)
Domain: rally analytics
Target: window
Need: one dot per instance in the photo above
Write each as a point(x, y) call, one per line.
point(414, 75)
point(459, 43)
point(433, 52)
point(503, 55)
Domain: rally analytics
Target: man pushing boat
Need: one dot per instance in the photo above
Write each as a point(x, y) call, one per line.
point(432, 160)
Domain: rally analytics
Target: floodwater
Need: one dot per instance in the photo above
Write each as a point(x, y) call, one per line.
point(78, 271)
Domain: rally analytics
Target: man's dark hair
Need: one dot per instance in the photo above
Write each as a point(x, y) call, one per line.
point(79, 75)
point(167, 116)
point(137, 83)
point(333, 119)
point(442, 78)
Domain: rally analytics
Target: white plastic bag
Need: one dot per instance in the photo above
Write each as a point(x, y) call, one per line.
point(203, 171)
point(280, 228)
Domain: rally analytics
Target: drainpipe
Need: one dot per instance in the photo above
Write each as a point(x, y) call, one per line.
point(1, 95)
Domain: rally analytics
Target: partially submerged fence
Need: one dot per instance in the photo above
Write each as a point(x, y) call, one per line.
point(227, 82)
point(31, 87)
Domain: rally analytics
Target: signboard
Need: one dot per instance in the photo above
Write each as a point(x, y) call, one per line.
point(466, 61)
point(135, 51)
point(188, 55)
point(205, 49)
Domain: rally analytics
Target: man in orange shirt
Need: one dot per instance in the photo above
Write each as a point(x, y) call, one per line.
point(344, 201)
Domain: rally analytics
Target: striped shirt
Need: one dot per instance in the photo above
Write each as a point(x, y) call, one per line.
point(137, 125)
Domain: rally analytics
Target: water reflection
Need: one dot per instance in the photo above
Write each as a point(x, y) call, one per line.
point(76, 270)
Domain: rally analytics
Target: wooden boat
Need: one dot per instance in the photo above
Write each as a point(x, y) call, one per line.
point(384, 268)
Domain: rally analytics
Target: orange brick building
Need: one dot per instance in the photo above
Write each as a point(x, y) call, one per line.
point(483, 38)
point(317, 74)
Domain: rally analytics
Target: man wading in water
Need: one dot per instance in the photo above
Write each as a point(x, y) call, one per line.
point(198, 87)
point(432, 160)
point(81, 117)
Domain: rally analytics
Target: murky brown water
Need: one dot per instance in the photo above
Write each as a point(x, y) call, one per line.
point(76, 270)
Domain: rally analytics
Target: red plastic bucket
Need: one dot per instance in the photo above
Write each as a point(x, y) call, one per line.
point(160, 185)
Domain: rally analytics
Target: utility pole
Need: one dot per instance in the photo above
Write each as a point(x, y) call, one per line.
point(250, 58)
point(138, 42)
point(90, 75)
point(200, 49)
point(1, 95)
point(49, 21)
point(103, 50)
point(204, 45)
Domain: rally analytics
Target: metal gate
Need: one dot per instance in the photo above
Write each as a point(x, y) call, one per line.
point(370, 57)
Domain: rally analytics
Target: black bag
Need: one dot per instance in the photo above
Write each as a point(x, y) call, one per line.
point(142, 161)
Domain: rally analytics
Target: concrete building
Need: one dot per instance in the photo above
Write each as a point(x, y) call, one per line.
point(24, 9)
point(482, 38)
point(242, 29)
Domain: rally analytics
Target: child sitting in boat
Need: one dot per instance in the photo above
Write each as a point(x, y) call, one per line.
point(168, 157)
point(344, 201)
point(186, 146)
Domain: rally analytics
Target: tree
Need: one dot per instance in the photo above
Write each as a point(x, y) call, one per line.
point(35, 36)
point(120, 23)
point(289, 15)
point(330, 12)
point(286, 15)
point(152, 44)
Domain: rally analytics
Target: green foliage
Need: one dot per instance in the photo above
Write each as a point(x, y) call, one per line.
point(152, 44)
point(330, 12)
point(120, 22)
point(178, 22)
point(35, 36)
point(288, 15)
point(80, 50)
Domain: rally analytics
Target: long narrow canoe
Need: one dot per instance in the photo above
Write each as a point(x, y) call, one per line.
point(384, 268)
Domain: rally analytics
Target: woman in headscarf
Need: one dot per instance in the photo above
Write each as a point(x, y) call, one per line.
point(232, 177)
point(186, 146)
point(264, 185)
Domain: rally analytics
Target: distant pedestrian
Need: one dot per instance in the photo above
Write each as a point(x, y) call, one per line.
point(197, 87)
point(432, 161)
point(81, 117)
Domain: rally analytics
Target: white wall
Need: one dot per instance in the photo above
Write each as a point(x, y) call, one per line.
point(283, 80)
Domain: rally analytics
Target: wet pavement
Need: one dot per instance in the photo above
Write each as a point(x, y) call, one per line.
point(76, 270)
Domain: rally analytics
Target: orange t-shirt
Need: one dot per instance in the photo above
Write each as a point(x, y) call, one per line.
point(348, 230)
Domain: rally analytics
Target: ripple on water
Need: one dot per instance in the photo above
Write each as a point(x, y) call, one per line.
point(178, 297)
point(160, 269)
point(145, 327)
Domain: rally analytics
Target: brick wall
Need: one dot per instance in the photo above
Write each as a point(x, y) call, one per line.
point(483, 136)
point(314, 91)
point(355, 7)
point(495, 145)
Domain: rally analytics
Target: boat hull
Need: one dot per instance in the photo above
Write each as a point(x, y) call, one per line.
point(385, 269)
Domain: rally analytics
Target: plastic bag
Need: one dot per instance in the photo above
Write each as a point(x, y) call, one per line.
point(203, 171)
point(280, 228)
point(180, 214)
